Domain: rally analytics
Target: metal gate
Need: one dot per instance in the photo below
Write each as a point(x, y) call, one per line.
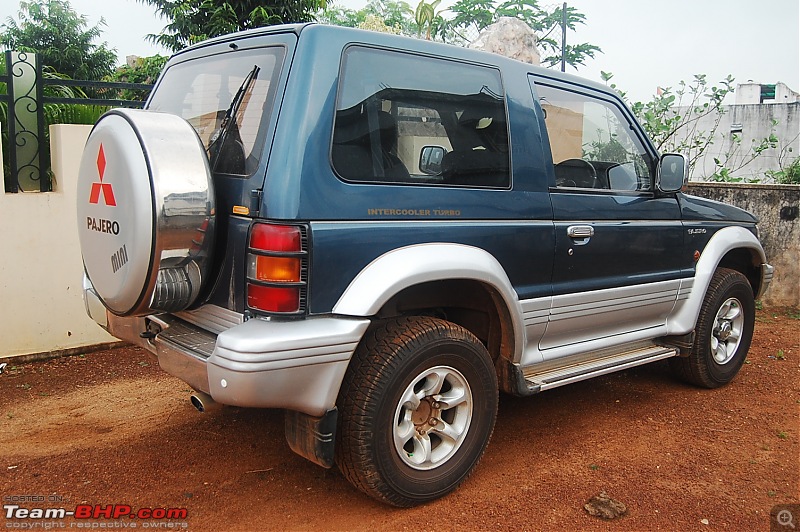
point(27, 167)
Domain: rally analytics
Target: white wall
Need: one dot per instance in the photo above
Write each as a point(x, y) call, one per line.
point(40, 262)
point(754, 122)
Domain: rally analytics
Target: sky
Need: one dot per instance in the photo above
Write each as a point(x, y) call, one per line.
point(646, 43)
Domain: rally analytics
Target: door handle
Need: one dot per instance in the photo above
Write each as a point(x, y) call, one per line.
point(580, 231)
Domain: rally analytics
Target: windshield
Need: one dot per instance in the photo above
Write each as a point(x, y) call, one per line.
point(202, 90)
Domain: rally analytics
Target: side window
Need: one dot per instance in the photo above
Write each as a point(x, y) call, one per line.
point(592, 143)
point(403, 118)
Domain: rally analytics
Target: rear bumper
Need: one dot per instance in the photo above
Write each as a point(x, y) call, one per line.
point(298, 365)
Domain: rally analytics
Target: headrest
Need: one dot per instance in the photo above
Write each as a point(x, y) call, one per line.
point(354, 128)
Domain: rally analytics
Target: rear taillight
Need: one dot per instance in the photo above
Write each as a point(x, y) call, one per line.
point(277, 261)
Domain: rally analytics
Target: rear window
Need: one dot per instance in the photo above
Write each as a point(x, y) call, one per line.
point(202, 90)
point(409, 119)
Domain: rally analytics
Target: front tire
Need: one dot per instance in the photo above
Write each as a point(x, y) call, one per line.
point(723, 333)
point(417, 409)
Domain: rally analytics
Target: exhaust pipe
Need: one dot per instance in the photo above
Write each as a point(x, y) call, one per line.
point(203, 402)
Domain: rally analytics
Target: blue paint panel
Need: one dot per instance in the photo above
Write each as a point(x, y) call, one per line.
point(637, 239)
point(301, 183)
point(342, 250)
point(701, 209)
point(230, 255)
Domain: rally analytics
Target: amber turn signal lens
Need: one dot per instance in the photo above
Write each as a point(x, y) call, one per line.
point(281, 269)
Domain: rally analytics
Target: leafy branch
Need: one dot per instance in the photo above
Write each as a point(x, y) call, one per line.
point(687, 120)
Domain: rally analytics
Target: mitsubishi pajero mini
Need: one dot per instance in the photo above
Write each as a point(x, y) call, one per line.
point(378, 234)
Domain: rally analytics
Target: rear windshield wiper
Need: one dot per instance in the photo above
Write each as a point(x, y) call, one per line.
point(230, 114)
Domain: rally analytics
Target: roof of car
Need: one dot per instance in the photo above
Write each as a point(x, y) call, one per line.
point(401, 42)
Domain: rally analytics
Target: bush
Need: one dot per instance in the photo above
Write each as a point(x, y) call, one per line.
point(789, 175)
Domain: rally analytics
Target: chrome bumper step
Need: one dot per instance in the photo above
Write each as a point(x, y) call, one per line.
point(544, 377)
point(185, 336)
point(183, 350)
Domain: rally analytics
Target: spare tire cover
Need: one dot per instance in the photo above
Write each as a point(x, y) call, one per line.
point(145, 212)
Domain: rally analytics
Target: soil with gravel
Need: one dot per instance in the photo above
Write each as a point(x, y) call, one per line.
point(110, 428)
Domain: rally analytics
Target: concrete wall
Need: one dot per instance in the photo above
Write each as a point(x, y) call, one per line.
point(753, 122)
point(779, 229)
point(40, 262)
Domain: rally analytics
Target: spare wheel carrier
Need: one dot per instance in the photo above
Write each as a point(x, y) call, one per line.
point(145, 212)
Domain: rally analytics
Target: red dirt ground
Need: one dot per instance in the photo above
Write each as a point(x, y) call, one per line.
point(110, 428)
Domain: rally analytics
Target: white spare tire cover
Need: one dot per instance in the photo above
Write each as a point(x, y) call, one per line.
point(145, 212)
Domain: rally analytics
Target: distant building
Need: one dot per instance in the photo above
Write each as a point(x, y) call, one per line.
point(759, 93)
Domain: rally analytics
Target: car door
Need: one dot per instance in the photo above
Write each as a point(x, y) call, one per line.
point(618, 243)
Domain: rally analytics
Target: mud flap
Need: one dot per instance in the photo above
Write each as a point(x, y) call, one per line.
point(313, 438)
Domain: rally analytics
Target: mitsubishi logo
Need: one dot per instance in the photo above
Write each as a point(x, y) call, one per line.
point(100, 188)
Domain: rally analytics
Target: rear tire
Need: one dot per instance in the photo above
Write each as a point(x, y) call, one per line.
point(723, 332)
point(416, 410)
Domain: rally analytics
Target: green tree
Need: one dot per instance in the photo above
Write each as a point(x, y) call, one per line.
point(337, 15)
point(193, 21)
point(472, 16)
point(142, 70)
point(465, 20)
point(426, 17)
point(375, 23)
point(394, 14)
point(62, 39)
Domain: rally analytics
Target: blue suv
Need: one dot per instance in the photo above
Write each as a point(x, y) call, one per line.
point(379, 234)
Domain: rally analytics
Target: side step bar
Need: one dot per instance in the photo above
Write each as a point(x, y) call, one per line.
point(540, 378)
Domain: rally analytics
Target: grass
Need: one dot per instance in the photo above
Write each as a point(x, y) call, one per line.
point(780, 355)
point(783, 435)
point(768, 315)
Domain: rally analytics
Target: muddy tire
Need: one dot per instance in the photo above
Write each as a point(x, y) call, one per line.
point(145, 212)
point(416, 410)
point(723, 333)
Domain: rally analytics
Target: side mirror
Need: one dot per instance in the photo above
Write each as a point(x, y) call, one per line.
point(430, 160)
point(671, 172)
